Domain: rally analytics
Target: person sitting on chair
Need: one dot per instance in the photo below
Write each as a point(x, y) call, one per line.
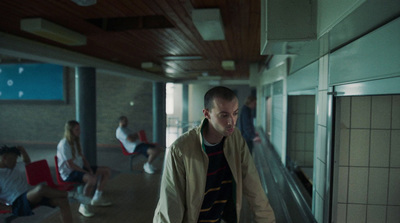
point(15, 191)
point(131, 142)
point(74, 167)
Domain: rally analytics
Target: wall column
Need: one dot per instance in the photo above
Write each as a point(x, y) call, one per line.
point(185, 110)
point(85, 82)
point(159, 114)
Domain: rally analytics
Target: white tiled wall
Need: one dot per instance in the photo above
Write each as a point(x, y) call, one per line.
point(301, 113)
point(369, 159)
point(395, 151)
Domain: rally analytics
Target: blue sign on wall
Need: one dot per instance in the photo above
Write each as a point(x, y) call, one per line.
point(31, 82)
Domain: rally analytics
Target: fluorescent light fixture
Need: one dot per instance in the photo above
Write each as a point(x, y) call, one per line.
point(169, 70)
point(52, 31)
point(150, 66)
point(85, 2)
point(228, 64)
point(209, 23)
point(183, 58)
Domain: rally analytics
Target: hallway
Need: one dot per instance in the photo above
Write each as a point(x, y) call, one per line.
point(135, 194)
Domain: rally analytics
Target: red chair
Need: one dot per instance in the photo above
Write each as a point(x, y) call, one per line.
point(9, 218)
point(143, 137)
point(5, 211)
point(126, 153)
point(39, 171)
point(60, 181)
point(36, 172)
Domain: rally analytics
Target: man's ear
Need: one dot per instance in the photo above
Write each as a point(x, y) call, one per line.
point(206, 113)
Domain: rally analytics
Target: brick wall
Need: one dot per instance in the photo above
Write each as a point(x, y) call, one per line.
point(42, 122)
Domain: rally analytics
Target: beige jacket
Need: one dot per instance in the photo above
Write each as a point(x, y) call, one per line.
point(184, 179)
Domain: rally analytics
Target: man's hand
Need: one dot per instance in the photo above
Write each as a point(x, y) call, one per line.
point(25, 157)
point(21, 149)
point(257, 139)
point(133, 137)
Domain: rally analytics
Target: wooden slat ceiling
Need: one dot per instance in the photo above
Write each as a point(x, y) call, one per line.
point(133, 46)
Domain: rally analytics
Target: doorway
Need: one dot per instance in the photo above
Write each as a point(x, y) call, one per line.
point(300, 142)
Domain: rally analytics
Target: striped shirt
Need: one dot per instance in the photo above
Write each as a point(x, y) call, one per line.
point(218, 186)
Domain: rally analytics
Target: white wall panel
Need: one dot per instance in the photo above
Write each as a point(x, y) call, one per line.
point(373, 56)
point(306, 78)
point(331, 13)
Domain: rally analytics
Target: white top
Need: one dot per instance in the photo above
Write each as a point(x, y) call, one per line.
point(122, 135)
point(13, 183)
point(64, 153)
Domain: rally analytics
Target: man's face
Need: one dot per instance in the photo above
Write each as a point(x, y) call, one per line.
point(10, 160)
point(253, 104)
point(222, 117)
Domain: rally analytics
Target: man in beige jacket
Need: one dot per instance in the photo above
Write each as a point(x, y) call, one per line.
point(209, 168)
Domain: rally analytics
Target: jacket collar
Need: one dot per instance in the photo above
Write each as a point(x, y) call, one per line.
point(204, 122)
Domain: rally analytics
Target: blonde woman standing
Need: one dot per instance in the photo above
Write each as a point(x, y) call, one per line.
point(74, 167)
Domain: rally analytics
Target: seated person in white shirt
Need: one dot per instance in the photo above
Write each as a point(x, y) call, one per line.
point(74, 167)
point(131, 142)
point(22, 197)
